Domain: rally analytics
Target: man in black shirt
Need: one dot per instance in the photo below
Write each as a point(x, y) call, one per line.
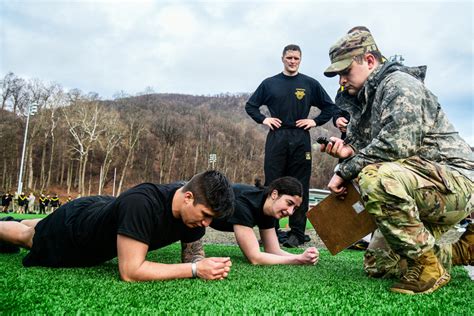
point(289, 97)
point(22, 202)
point(260, 206)
point(6, 199)
point(43, 203)
point(54, 202)
point(91, 230)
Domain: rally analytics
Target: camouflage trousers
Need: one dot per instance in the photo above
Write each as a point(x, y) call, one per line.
point(414, 203)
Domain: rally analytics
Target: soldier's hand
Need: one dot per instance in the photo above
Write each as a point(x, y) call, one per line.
point(337, 148)
point(336, 186)
point(214, 268)
point(272, 122)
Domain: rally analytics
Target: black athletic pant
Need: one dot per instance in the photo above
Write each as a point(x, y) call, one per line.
point(288, 153)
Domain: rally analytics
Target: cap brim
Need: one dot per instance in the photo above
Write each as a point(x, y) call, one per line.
point(337, 67)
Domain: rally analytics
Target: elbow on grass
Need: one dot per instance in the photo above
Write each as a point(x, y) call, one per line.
point(255, 261)
point(126, 277)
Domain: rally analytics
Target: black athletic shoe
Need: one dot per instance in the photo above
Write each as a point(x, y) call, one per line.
point(282, 236)
point(292, 242)
point(307, 238)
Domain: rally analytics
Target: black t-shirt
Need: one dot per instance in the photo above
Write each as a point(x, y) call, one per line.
point(54, 202)
point(84, 231)
point(6, 199)
point(248, 210)
point(22, 200)
point(290, 98)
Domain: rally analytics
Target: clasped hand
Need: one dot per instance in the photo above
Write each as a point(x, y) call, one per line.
point(214, 268)
point(310, 256)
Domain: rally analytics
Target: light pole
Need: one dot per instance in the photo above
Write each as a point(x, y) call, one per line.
point(32, 108)
point(212, 159)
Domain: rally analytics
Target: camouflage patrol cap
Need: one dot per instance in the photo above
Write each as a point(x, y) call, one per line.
point(346, 48)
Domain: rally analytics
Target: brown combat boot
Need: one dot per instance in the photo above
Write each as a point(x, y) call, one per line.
point(424, 275)
point(463, 249)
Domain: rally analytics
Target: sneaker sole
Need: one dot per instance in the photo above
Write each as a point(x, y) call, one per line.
point(442, 281)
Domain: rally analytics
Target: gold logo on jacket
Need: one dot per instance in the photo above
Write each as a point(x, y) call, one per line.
point(300, 93)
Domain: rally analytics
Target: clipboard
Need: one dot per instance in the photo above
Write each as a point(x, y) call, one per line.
point(340, 223)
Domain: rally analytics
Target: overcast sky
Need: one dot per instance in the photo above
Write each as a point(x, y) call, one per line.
point(211, 47)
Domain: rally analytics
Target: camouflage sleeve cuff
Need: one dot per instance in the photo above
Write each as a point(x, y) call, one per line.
point(348, 169)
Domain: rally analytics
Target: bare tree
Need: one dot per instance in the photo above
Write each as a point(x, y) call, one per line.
point(135, 126)
point(19, 95)
point(6, 84)
point(109, 142)
point(52, 99)
point(84, 123)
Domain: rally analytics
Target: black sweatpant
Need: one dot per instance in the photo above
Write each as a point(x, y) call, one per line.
point(288, 153)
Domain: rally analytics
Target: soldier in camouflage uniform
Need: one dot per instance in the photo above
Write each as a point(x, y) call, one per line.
point(414, 170)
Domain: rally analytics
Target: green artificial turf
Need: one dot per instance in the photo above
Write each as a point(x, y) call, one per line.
point(337, 285)
point(24, 216)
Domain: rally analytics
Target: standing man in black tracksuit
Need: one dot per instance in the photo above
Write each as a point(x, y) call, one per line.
point(43, 203)
point(289, 97)
point(54, 202)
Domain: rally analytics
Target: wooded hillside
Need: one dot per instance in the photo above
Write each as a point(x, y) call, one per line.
point(76, 141)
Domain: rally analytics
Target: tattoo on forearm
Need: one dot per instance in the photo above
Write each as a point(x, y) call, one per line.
point(192, 252)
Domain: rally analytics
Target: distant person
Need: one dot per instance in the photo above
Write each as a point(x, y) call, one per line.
point(43, 203)
point(48, 204)
point(258, 206)
point(31, 203)
point(416, 174)
point(54, 202)
point(15, 202)
point(289, 97)
point(6, 200)
point(22, 203)
point(92, 230)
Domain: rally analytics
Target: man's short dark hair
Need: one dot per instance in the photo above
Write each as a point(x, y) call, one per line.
point(291, 47)
point(212, 189)
point(285, 185)
point(378, 56)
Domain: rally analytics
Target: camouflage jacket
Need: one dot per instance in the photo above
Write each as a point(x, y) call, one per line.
point(395, 116)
